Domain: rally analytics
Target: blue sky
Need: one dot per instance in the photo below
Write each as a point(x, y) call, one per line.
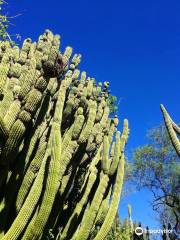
point(133, 44)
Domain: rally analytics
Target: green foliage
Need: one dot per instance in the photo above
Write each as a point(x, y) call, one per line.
point(157, 167)
point(4, 24)
point(112, 103)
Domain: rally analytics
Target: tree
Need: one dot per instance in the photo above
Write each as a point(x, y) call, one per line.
point(173, 130)
point(156, 167)
point(5, 23)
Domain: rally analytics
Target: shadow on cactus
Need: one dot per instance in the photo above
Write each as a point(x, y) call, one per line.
point(61, 156)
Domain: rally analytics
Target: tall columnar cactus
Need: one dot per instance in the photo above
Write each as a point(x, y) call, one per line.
point(173, 130)
point(61, 156)
point(130, 217)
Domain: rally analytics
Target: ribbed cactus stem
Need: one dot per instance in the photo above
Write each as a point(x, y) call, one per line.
point(116, 155)
point(90, 122)
point(12, 114)
point(105, 157)
point(28, 235)
point(80, 204)
point(103, 210)
point(3, 128)
point(88, 220)
point(169, 124)
point(52, 183)
point(27, 209)
point(29, 177)
point(102, 233)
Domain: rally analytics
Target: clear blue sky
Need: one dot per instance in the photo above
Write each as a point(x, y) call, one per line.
point(133, 44)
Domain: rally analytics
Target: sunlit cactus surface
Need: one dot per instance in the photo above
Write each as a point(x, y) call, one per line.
point(61, 155)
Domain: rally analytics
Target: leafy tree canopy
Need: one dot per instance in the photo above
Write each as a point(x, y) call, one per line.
point(5, 23)
point(156, 167)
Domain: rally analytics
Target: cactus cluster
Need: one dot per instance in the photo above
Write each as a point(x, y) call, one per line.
point(173, 130)
point(61, 156)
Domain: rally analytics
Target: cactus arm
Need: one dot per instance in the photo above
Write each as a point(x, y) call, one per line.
point(30, 176)
point(119, 147)
point(69, 226)
point(104, 118)
point(169, 124)
point(103, 210)
point(88, 220)
point(13, 140)
point(66, 157)
point(90, 122)
point(105, 228)
point(116, 156)
point(79, 207)
point(4, 69)
point(52, 184)
point(3, 128)
point(28, 234)
point(12, 114)
point(89, 88)
point(78, 124)
point(176, 127)
point(25, 213)
point(105, 158)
